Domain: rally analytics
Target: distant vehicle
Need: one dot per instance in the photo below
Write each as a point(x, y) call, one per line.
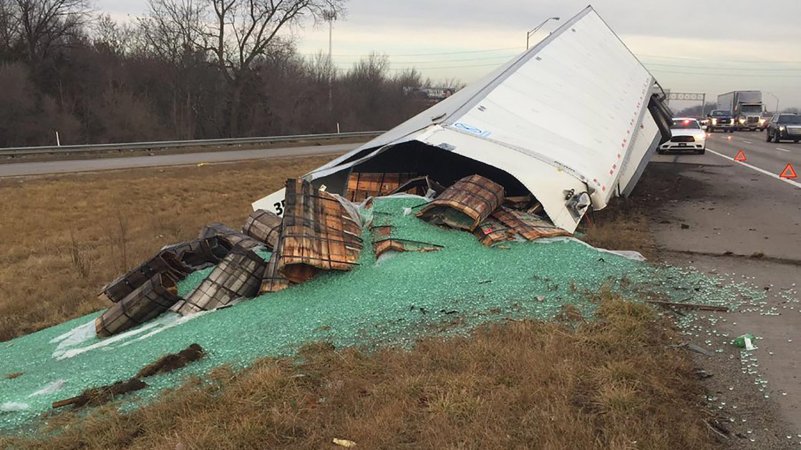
point(765, 120)
point(745, 108)
point(784, 127)
point(719, 119)
point(687, 134)
point(432, 95)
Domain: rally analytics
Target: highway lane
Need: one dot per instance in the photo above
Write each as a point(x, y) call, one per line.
point(768, 156)
point(94, 165)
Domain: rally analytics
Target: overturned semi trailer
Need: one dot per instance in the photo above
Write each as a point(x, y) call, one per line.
point(572, 121)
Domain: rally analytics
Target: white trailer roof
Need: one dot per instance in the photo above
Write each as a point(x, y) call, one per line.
point(561, 118)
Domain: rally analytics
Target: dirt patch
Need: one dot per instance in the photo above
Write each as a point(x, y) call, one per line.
point(103, 394)
point(171, 362)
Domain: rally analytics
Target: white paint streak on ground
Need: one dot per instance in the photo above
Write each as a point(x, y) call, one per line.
point(51, 388)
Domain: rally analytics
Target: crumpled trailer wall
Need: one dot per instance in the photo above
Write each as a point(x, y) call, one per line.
point(573, 121)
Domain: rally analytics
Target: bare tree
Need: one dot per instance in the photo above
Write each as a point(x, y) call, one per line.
point(237, 33)
point(45, 24)
point(174, 29)
point(114, 37)
point(9, 28)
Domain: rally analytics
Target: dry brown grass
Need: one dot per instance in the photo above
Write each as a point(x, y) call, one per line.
point(64, 237)
point(607, 384)
point(623, 225)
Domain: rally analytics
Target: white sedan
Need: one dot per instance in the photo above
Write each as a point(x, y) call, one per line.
point(687, 135)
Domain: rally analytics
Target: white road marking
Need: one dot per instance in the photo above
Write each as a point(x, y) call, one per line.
point(747, 142)
point(782, 149)
point(762, 171)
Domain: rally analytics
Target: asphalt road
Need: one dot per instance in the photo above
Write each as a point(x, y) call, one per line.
point(768, 156)
point(94, 165)
point(733, 220)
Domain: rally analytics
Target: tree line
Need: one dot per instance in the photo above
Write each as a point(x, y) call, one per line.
point(188, 69)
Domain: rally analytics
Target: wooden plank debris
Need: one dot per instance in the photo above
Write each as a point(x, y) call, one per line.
point(362, 185)
point(237, 276)
point(263, 226)
point(318, 234)
point(507, 224)
point(144, 303)
point(697, 306)
point(465, 204)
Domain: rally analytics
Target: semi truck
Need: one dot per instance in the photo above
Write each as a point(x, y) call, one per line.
point(745, 108)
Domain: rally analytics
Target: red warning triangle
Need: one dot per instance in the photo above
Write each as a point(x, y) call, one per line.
point(740, 156)
point(788, 172)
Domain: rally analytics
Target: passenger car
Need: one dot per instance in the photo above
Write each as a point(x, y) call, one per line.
point(764, 120)
point(686, 135)
point(785, 126)
point(720, 119)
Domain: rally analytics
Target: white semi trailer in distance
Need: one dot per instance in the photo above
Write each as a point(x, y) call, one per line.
point(745, 108)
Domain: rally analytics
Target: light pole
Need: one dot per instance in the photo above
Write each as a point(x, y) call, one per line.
point(330, 16)
point(534, 30)
point(777, 101)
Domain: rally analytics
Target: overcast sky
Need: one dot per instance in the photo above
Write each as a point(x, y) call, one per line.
point(690, 46)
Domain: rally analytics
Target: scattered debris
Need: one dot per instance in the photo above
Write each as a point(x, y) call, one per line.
point(695, 348)
point(718, 429)
point(263, 226)
point(102, 395)
point(233, 237)
point(165, 264)
point(697, 306)
point(702, 374)
point(385, 239)
point(318, 234)
point(745, 341)
point(272, 280)
point(363, 185)
point(507, 224)
point(105, 394)
point(173, 361)
point(384, 244)
point(344, 443)
point(146, 302)
point(422, 186)
point(172, 262)
point(239, 275)
point(465, 204)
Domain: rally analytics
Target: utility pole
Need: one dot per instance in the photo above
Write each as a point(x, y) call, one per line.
point(777, 101)
point(330, 16)
point(534, 30)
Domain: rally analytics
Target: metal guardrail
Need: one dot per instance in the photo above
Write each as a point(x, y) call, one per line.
point(163, 145)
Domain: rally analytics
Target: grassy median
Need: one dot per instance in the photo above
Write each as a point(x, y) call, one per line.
point(65, 236)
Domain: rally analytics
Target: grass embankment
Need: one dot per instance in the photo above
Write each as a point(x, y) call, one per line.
point(64, 237)
point(607, 383)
